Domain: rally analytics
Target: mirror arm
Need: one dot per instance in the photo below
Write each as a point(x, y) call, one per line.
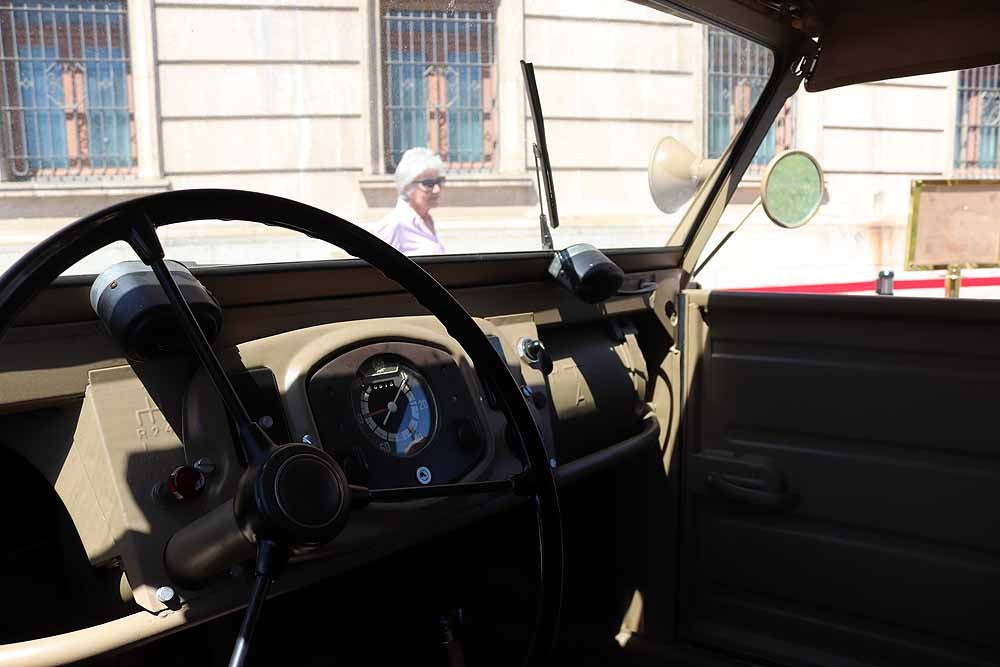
point(717, 248)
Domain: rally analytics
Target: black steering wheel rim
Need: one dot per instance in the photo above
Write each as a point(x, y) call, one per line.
point(46, 261)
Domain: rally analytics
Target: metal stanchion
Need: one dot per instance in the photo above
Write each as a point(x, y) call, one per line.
point(952, 281)
point(883, 285)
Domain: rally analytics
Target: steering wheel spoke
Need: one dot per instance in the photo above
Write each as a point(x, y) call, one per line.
point(254, 442)
point(362, 496)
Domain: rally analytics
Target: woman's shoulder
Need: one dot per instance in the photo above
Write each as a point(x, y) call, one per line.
point(393, 224)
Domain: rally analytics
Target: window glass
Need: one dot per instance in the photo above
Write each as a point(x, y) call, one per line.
point(876, 142)
point(406, 117)
point(738, 70)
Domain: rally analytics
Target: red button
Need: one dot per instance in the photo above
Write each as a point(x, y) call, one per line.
point(185, 483)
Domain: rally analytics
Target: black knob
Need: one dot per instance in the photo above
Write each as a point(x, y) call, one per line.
point(534, 353)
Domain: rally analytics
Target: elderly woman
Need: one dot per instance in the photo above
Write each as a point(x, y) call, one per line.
point(409, 227)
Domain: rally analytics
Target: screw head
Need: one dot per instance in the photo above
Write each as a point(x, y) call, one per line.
point(205, 465)
point(267, 421)
point(307, 439)
point(165, 594)
point(552, 463)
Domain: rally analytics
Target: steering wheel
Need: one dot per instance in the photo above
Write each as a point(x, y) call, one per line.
point(294, 495)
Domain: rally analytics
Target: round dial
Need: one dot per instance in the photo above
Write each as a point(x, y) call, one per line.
point(394, 406)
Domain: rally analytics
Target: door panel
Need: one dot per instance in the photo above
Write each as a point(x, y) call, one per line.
point(874, 422)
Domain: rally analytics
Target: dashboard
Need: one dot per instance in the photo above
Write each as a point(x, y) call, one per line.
point(392, 397)
point(396, 401)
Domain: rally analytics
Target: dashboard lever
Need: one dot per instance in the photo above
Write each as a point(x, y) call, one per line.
point(362, 496)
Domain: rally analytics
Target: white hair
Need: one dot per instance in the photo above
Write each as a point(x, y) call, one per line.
point(414, 162)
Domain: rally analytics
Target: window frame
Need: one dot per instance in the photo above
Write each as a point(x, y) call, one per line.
point(56, 139)
point(962, 99)
point(146, 175)
point(382, 153)
point(786, 120)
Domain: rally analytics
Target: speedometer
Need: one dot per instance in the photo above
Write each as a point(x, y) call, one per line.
point(394, 406)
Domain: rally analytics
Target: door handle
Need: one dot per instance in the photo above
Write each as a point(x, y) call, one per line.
point(772, 500)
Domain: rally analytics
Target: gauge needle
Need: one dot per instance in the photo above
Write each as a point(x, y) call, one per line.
point(392, 404)
point(377, 412)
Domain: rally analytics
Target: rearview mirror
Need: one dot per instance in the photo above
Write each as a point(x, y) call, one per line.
point(791, 190)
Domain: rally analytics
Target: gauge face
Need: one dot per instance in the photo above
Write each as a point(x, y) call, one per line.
point(394, 406)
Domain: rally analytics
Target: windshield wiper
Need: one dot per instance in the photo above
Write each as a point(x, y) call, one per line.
point(543, 168)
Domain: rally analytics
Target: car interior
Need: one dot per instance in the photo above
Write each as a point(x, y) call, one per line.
point(553, 457)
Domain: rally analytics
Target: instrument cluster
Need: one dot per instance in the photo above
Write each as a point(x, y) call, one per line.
point(398, 414)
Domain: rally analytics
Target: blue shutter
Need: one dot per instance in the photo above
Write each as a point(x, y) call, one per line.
point(465, 109)
point(720, 112)
point(40, 88)
point(106, 109)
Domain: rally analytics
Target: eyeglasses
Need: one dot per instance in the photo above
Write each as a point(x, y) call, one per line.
point(429, 183)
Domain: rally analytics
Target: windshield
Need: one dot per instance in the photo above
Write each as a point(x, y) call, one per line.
point(407, 117)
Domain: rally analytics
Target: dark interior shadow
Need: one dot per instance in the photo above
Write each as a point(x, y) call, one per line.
point(48, 583)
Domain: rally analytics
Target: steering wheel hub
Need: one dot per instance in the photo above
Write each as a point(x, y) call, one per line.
point(298, 495)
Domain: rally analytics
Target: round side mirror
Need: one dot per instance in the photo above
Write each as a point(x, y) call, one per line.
point(675, 174)
point(792, 188)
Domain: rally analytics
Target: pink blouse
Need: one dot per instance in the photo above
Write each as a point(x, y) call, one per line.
point(404, 230)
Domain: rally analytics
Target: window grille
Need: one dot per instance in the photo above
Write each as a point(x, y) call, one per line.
point(977, 124)
point(738, 71)
point(439, 84)
point(65, 88)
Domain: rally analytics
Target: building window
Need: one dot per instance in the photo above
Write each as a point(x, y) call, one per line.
point(738, 71)
point(977, 123)
point(66, 89)
point(439, 81)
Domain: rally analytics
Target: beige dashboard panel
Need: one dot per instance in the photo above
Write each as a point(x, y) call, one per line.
point(125, 445)
point(139, 450)
point(43, 361)
point(84, 484)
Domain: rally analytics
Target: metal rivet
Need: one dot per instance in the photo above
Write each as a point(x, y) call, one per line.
point(165, 594)
point(205, 465)
point(266, 421)
point(307, 439)
point(552, 463)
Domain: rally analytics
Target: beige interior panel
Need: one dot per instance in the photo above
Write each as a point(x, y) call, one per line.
point(45, 362)
point(125, 445)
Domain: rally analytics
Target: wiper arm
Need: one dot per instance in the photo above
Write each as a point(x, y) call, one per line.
point(541, 150)
point(543, 223)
